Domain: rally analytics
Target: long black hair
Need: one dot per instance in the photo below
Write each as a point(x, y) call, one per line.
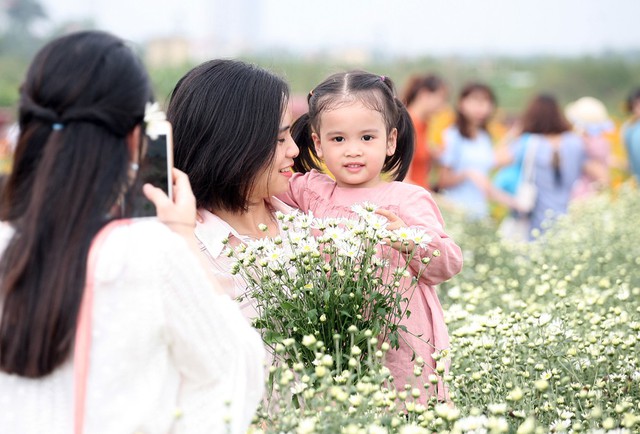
point(374, 91)
point(226, 117)
point(462, 122)
point(83, 94)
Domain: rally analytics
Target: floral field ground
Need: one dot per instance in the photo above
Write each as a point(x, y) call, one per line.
point(545, 338)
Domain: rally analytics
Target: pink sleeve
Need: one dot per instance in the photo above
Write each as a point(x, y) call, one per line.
point(295, 196)
point(420, 210)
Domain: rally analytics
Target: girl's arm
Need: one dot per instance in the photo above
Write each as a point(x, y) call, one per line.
point(295, 195)
point(420, 211)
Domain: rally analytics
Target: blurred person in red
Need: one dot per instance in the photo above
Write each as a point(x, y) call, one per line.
point(425, 95)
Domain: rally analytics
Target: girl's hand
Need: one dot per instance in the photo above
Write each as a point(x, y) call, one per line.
point(179, 214)
point(396, 222)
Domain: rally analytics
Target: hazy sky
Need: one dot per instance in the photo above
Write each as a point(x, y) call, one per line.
point(414, 27)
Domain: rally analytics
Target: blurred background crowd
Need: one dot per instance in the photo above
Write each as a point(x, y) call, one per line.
point(477, 63)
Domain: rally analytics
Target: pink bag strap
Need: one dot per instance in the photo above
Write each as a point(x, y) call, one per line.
point(82, 346)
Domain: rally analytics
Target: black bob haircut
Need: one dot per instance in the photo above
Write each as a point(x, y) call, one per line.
point(226, 117)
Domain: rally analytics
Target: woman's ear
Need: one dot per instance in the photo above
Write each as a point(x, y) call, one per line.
point(317, 144)
point(133, 144)
point(392, 140)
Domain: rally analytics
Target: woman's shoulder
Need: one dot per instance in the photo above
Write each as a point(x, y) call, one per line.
point(144, 241)
point(572, 139)
point(451, 133)
point(148, 230)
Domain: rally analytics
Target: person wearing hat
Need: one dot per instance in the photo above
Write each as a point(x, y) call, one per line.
point(590, 119)
point(631, 133)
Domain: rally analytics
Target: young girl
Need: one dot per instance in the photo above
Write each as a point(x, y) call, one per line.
point(468, 153)
point(364, 136)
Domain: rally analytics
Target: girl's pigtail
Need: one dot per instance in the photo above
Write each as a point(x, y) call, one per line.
point(398, 164)
point(307, 158)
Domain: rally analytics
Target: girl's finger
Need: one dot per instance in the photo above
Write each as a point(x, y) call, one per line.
point(386, 213)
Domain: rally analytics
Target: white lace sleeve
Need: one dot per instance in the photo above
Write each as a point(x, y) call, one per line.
point(219, 356)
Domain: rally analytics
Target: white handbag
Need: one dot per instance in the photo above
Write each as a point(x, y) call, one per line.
point(517, 226)
point(527, 192)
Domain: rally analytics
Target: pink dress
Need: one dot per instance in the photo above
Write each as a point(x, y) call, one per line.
point(320, 194)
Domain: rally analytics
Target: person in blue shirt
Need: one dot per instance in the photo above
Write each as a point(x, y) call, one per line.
point(559, 158)
point(631, 133)
point(468, 151)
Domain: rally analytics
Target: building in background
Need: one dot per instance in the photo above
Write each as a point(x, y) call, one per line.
point(168, 52)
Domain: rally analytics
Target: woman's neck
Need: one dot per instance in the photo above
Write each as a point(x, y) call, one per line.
point(473, 130)
point(247, 223)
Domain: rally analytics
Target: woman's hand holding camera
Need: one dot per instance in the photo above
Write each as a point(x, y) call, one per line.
point(180, 213)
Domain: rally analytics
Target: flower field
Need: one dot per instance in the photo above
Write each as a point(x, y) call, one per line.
point(545, 338)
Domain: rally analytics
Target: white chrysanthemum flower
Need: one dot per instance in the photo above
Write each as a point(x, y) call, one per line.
point(413, 429)
point(565, 414)
point(296, 237)
point(560, 425)
point(472, 424)
point(334, 233)
point(308, 340)
point(308, 245)
point(497, 408)
point(376, 429)
point(298, 387)
point(421, 238)
point(305, 221)
point(555, 327)
point(544, 319)
point(306, 426)
point(347, 249)
point(364, 209)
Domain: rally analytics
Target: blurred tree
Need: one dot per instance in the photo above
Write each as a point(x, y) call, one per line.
point(18, 39)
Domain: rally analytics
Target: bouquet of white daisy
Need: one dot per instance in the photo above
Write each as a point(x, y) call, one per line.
point(329, 279)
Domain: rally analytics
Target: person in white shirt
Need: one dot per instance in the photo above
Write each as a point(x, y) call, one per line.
point(169, 352)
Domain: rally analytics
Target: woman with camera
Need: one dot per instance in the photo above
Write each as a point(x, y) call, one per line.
point(108, 325)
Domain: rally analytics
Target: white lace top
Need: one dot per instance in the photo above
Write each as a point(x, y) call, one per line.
point(168, 353)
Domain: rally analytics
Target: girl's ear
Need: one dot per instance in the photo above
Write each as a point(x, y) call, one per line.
point(391, 142)
point(317, 144)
